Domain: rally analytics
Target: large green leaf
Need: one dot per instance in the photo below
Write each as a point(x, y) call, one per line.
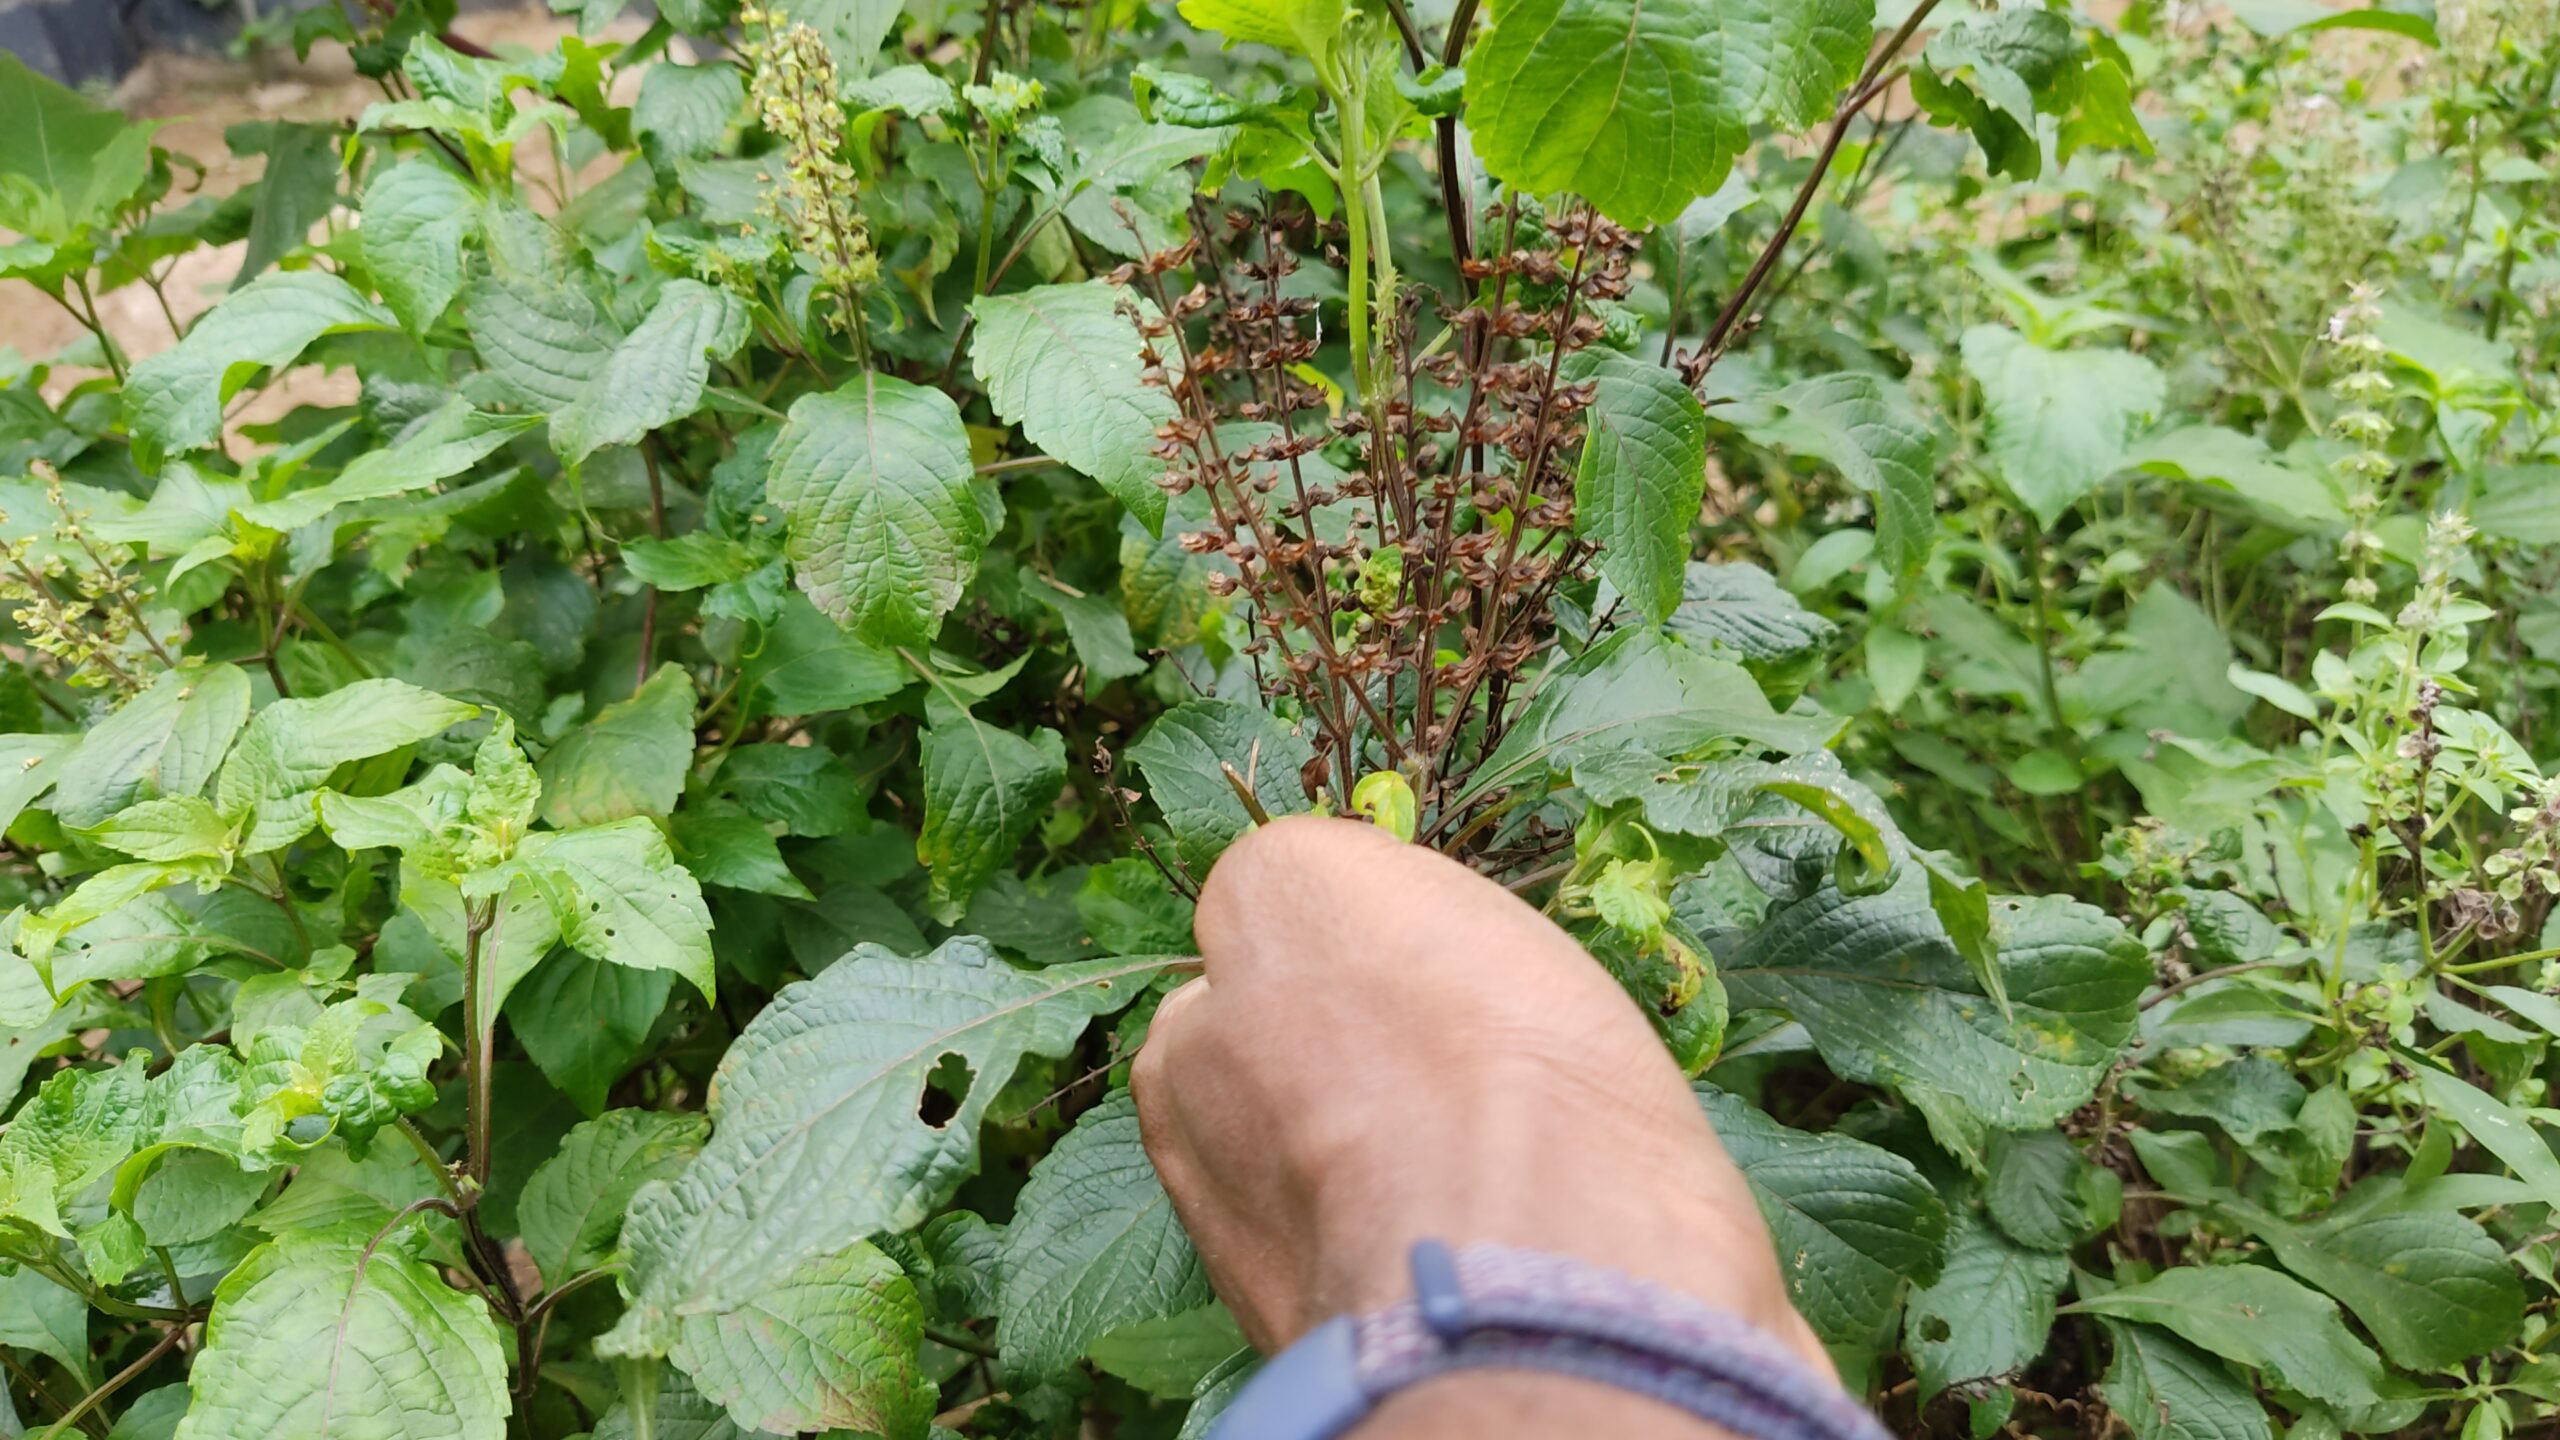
point(80, 160)
point(541, 338)
point(1742, 609)
point(1988, 1312)
point(984, 791)
point(570, 1213)
point(831, 1346)
point(1639, 690)
point(1854, 1223)
point(295, 191)
point(286, 753)
point(445, 443)
point(1185, 755)
point(1642, 105)
point(656, 374)
point(37, 1314)
point(310, 1336)
point(1889, 1000)
point(1643, 474)
point(2258, 1317)
point(2431, 1285)
point(630, 760)
point(584, 1022)
point(2167, 1389)
point(165, 741)
point(174, 400)
point(620, 896)
point(1062, 362)
point(816, 1137)
point(884, 530)
point(684, 110)
point(418, 215)
point(2501, 1129)
point(2061, 420)
point(1093, 1246)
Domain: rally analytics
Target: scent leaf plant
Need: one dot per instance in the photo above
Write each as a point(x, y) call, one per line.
point(597, 870)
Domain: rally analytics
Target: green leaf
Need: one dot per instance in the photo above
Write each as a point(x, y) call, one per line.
point(38, 1315)
point(2042, 1194)
point(2061, 420)
point(1094, 1245)
point(620, 896)
point(802, 788)
point(2218, 461)
point(2258, 1317)
point(984, 791)
point(656, 374)
point(1309, 27)
point(884, 532)
point(1988, 1312)
point(1643, 475)
point(585, 1022)
point(541, 339)
point(1128, 909)
point(165, 741)
point(809, 664)
point(444, 444)
point(683, 111)
point(816, 1137)
point(174, 400)
point(2501, 1129)
point(1169, 1358)
point(289, 749)
point(1184, 756)
point(833, 1346)
point(724, 845)
point(630, 760)
point(679, 1414)
point(570, 1213)
point(1890, 1001)
point(296, 190)
point(311, 1337)
point(83, 160)
point(1097, 628)
point(1742, 609)
point(1850, 421)
point(179, 827)
point(2167, 1389)
point(2278, 17)
point(418, 218)
point(690, 561)
point(1641, 106)
point(1062, 362)
point(1638, 690)
point(1853, 1223)
point(2430, 1285)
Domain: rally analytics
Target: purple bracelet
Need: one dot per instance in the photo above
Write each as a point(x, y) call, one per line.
point(1490, 1307)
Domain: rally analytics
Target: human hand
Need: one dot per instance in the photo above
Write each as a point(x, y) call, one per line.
point(1384, 1046)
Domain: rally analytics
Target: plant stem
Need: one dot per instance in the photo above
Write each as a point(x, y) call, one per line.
point(114, 1382)
point(1870, 84)
point(480, 1024)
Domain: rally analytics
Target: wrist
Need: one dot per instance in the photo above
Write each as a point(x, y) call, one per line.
point(1482, 1404)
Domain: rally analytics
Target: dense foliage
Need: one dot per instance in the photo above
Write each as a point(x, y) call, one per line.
point(1997, 570)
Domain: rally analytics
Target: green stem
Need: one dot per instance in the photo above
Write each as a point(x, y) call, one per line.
point(480, 1025)
point(114, 1383)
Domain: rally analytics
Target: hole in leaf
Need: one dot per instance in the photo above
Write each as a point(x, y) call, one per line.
point(946, 1088)
point(1935, 1330)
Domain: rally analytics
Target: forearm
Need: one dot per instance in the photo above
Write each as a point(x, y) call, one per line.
point(1497, 1405)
